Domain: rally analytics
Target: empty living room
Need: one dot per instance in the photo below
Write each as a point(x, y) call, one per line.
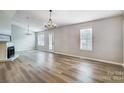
point(61, 46)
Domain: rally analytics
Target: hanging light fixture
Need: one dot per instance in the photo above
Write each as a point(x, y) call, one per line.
point(50, 23)
point(28, 30)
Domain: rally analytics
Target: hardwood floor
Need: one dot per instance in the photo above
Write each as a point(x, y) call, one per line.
point(42, 67)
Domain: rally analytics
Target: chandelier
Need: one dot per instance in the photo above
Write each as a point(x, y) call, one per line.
point(50, 23)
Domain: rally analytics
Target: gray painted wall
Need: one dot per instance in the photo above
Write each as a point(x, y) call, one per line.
point(5, 24)
point(107, 39)
point(22, 42)
point(123, 39)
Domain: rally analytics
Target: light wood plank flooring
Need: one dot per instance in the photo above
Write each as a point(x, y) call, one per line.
point(44, 67)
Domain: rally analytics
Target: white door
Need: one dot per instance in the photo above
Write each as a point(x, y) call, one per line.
point(51, 42)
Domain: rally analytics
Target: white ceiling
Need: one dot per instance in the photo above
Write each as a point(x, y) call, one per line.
point(61, 17)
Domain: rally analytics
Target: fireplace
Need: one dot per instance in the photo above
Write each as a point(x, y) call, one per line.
point(10, 52)
point(7, 50)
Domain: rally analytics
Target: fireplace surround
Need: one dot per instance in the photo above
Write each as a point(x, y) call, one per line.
point(7, 52)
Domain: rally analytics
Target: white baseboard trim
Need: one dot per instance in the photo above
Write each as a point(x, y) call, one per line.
point(94, 59)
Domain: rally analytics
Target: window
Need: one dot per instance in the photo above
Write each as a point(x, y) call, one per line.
point(50, 41)
point(86, 39)
point(41, 39)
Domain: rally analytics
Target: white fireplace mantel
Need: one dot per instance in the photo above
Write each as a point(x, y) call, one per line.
point(3, 52)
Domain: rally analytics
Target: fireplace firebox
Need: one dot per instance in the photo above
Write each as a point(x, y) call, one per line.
point(10, 52)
